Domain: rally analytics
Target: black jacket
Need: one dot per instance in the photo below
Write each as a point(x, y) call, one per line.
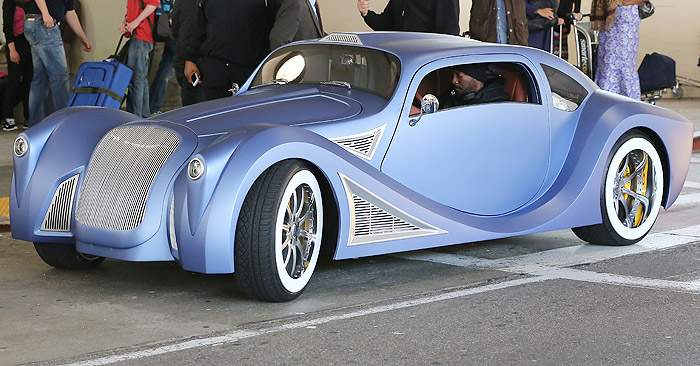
point(183, 18)
point(232, 31)
point(432, 16)
point(492, 92)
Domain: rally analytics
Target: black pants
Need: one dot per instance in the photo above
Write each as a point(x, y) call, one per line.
point(218, 76)
point(19, 78)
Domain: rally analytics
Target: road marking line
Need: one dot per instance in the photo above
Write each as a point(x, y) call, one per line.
point(689, 184)
point(609, 278)
point(686, 200)
point(564, 257)
point(243, 334)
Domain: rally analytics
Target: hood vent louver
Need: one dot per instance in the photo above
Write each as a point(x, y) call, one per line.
point(363, 144)
point(342, 38)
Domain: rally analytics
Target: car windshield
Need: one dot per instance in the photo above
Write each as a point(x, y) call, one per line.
point(343, 66)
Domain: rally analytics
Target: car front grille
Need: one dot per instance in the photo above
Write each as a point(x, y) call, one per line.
point(58, 215)
point(120, 175)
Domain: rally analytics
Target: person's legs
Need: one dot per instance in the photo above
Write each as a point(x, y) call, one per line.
point(10, 96)
point(137, 100)
point(617, 54)
point(57, 68)
point(160, 81)
point(34, 34)
point(26, 71)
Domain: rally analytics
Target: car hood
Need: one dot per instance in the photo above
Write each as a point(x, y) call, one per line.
point(275, 104)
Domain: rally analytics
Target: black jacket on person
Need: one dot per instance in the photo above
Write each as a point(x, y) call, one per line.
point(431, 16)
point(492, 92)
point(183, 18)
point(233, 31)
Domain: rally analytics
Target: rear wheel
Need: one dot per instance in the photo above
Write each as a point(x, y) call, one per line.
point(64, 256)
point(631, 193)
point(278, 235)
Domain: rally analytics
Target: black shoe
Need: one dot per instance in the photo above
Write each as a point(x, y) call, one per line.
point(25, 125)
point(9, 126)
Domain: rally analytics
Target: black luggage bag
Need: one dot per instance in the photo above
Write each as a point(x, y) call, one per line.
point(657, 72)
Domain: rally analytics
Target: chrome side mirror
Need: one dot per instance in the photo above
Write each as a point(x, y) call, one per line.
point(430, 104)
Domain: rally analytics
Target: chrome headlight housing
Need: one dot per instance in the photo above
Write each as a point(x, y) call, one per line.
point(195, 169)
point(21, 146)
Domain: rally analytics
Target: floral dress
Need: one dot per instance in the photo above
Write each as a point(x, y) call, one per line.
point(617, 54)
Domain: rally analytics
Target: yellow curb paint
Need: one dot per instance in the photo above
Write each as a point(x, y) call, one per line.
point(5, 206)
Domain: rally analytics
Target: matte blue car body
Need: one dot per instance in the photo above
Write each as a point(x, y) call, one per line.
point(238, 138)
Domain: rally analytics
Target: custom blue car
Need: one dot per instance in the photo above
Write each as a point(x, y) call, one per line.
point(341, 143)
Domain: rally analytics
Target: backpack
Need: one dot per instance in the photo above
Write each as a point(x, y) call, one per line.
point(162, 28)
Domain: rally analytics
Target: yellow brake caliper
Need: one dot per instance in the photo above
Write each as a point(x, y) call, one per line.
point(639, 216)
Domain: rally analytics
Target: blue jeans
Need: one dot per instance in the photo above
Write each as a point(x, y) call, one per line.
point(137, 99)
point(160, 81)
point(49, 61)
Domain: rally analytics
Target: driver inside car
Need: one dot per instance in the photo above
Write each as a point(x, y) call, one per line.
point(473, 84)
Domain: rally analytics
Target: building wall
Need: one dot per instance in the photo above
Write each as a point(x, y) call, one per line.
point(673, 30)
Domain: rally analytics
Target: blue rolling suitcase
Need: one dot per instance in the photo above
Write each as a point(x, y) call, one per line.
point(101, 84)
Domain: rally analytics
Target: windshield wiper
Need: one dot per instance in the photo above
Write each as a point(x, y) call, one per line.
point(337, 83)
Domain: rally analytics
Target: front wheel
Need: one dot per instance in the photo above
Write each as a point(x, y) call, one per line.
point(64, 256)
point(278, 235)
point(631, 193)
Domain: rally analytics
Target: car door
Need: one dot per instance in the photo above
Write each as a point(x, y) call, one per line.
point(486, 159)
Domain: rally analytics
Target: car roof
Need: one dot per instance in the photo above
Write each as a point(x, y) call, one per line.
point(417, 49)
point(413, 47)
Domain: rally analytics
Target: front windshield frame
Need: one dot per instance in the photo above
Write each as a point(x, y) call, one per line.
point(362, 68)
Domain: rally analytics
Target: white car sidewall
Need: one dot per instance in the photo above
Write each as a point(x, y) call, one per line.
point(294, 285)
point(636, 143)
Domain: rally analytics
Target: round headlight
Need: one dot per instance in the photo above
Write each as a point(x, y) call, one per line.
point(195, 169)
point(21, 146)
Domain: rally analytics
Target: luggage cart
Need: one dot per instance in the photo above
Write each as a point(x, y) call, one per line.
point(681, 81)
point(586, 45)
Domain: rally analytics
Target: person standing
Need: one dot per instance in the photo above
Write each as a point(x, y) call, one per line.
point(431, 16)
point(618, 45)
point(138, 25)
point(296, 20)
point(165, 67)
point(541, 17)
point(499, 21)
point(19, 64)
point(48, 55)
point(184, 17)
point(568, 7)
point(228, 41)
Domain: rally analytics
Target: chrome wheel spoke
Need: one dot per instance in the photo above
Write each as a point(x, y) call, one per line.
point(309, 209)
point(636, 197)
point(299, 201)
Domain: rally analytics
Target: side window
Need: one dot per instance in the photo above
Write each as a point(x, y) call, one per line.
point(567, 94)
point(479, 83)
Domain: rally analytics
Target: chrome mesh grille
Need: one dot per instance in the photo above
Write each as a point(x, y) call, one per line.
point(58, 215)
point(120, 175)
point(372, 220)
point(342, 37)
